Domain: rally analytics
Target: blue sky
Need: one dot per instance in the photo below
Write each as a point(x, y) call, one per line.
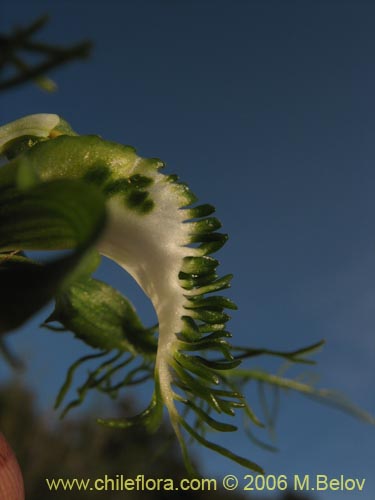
point(266, 109)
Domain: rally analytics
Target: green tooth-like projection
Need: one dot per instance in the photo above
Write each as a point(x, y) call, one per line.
point(155, 234)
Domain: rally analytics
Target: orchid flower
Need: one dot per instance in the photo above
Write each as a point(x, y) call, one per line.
point(67, 191)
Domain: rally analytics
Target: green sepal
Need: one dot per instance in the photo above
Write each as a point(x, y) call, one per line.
point(102, 317)
point(27, 177)
point(54, 215)
point(75, 214)
point(88, 264)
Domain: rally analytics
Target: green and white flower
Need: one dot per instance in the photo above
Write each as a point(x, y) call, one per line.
point(60, 191)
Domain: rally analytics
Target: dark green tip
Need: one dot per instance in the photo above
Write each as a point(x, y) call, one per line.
point(199, 265)
point(211, 303)
point(204, 226)
point(211, 317)
point(200, 211)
